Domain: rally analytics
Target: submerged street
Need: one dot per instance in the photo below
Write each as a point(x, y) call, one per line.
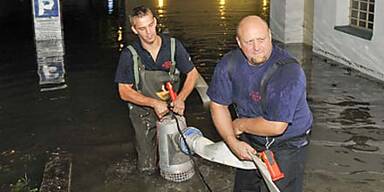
point(89, 121)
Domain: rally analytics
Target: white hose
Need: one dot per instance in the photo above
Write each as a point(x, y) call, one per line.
point(219, 153)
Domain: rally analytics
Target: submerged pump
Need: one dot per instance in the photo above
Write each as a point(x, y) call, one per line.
point(174, 165)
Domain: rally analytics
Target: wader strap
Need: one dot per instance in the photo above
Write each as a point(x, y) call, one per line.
point(267, 76)
point(230, 65)
point(135, 58)
point(173, 70)
point(173, 48)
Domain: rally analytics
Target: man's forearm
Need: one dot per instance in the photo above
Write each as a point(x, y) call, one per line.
point(127, 93)
point(260, 126)
point(189, 84)
point(223, 122)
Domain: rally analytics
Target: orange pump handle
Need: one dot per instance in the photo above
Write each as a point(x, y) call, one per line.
point(269, 159)
point(172, 93)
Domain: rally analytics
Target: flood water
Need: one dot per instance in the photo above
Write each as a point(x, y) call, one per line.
point(88, 120)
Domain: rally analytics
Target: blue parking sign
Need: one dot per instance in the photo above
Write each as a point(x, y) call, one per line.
point(46, 8)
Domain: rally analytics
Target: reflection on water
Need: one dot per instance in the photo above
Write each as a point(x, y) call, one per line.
point(348, 124)
point(50, 60)
point(222, 9)
point(92, 122)
point(110, 6)
point(346, 103)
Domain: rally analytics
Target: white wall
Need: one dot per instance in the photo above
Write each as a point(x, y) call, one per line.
point(291, 20)
point(277, 19)
point(308, 21)
point(364, 55)
point(294, 27)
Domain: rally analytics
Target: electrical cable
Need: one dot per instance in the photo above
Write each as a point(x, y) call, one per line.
point(190, 154)
point(173, 95)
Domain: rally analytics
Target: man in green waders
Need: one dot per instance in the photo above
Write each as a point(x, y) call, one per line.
point(144, 67)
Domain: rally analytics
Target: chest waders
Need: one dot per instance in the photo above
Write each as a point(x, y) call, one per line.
point(144, 119)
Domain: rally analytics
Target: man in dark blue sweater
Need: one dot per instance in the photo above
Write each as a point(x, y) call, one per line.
point(271, 115)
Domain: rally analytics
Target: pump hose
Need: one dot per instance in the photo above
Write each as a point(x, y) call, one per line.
point(190, 153)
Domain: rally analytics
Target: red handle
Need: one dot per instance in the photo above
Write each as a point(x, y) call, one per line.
point(272, 166)
point(172, 93)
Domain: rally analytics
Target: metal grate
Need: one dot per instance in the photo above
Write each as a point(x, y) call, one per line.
point(178, 176)
point(362, 13)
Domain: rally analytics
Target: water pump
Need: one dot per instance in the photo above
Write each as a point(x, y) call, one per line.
point(174, 165)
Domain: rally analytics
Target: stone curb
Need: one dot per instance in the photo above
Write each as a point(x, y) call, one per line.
point(57, 173)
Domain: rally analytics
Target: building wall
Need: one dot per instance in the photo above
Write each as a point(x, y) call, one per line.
point(364, 55)
point(294, 21)
point(308, 21)
point(291, 20)
point(277, 19)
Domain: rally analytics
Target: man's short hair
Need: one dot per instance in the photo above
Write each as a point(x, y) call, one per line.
point(139, 11)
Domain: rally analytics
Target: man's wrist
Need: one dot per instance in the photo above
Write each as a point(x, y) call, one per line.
point(152, 103)
point(242, 125)
point(180, 97)
point(230, 139)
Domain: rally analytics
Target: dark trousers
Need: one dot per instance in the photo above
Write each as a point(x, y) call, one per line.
point(291, 161)
point(144, 123)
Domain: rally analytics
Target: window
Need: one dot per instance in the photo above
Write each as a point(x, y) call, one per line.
point(361, 13)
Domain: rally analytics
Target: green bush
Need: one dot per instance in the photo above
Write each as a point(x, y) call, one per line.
point(22, 185)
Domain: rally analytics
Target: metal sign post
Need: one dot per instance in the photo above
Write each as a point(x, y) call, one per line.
point(49, 44)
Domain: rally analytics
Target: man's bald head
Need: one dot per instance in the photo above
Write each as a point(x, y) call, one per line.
point(251, 21)
point(254, 39)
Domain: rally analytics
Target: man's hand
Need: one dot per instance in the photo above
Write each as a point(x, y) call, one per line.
point(178, 106)
point(241, 149)
point(161, 108)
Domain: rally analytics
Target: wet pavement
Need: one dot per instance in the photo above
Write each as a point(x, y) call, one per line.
point(88, 120)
